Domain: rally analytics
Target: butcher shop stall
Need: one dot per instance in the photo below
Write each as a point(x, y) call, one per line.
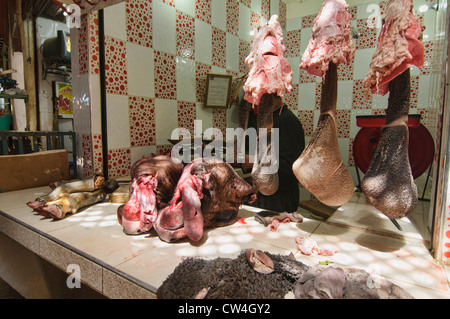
point(273, 149)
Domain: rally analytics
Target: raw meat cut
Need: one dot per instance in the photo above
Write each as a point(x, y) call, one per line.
point(269, 71)
point(331, 38)
point(399, 46)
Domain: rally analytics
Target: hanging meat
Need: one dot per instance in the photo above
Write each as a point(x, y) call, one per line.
point(269, 77)
point(399, 46)
point(320, 168)
point(270, 72)
point(388, 182)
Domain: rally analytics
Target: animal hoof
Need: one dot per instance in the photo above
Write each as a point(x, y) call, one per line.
point(259, 261)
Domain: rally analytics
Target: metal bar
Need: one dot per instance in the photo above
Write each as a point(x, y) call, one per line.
point(20, 142)
point(101, 51)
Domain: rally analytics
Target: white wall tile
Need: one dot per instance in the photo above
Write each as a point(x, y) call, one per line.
point(118, 121)
point(295, 66)
point(232, 52)
point(293, 24)
point(256, 6)
point(164, 27)
point(244, 23)
point(166, 119)
point(138, 152)
point(275, 7)
point(140, 62)
point(424, 98)
point(205, 115)
point(186, 83)
point(304, 39)
point(187, 6)
point(345, 95)
point(307, 96)
point(219, 14)
point(95, 104)
point(203, 42)
point(363, 57)
point(115, 21)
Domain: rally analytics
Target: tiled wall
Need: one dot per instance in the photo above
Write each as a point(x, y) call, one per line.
point(157, 56)
point(159, 52)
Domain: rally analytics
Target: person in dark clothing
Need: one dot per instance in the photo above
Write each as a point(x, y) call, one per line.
point(291, 145)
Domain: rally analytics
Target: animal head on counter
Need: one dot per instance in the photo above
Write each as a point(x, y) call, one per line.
point(207, 193)
point(270, 72)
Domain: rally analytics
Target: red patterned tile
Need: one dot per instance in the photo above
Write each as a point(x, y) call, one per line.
point(119, 162)
point(318, 95)
point(203, 10)
point(255, 21)
point(164, 149)
point(305, 77)
point(345, 71)
point(351, 159)
point(308, 21)
point(265, 9)
point(165, 76)
point(93, 42)
point(98, 152)
point(293, 39)
point(218, 47)
point(247, 3)
point(343, 123)
point(201, 70)
point(142, 121)
point(367, 35)
point(220, 120)
point(186, 115)
point(170, 3)
point(83, 45)
point(116, 66)
point(185, 28)
point(139, 22)
point(232, 23)
point(291, 98)
point(244, 51)
point(86, 145)
point(360, 101)
point(427, 67)
point(413, 103)
point(306, 117)
point(282, 15)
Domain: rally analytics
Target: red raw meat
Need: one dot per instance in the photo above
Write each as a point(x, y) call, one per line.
point(331, 38)
point(398, 47)
point(269, 71)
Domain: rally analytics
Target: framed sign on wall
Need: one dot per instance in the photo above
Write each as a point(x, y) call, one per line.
point(218, 88)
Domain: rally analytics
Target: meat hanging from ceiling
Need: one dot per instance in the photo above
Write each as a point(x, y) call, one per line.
point(399, 46)
point(270, 76)
point(389, 183)
point(320, 168)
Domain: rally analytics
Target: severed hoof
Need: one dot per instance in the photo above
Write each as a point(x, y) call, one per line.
point(54, 211)
point(259, 261)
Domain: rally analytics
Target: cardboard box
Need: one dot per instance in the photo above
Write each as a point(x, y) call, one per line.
point(33, 170)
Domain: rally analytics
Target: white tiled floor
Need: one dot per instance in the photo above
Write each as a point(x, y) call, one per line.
point(363, 237)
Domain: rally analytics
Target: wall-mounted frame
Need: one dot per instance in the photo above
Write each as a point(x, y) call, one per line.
point(218, 89)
